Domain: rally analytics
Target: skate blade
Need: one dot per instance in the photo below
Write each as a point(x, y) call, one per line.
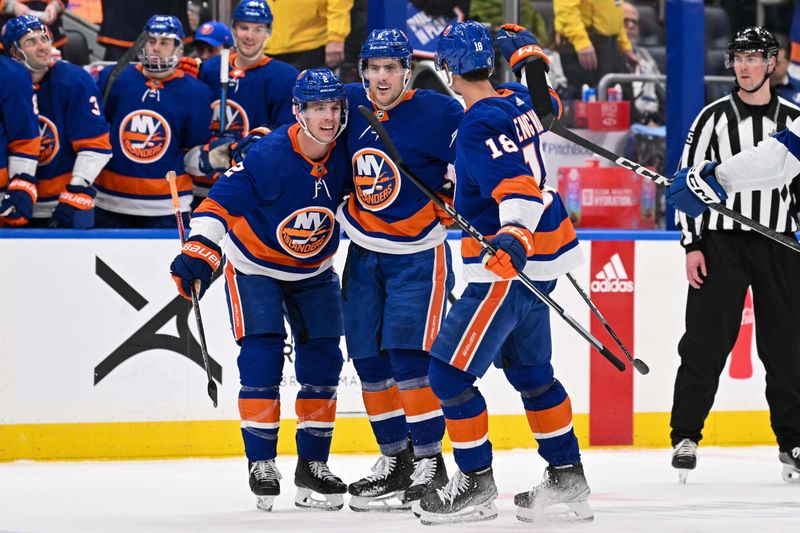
point(791, 474)
point(477, 513)
point(265, 502)
point(559, 512)
point(380, 504)
point(416, 508)
point(683, 475)
point(308, 499)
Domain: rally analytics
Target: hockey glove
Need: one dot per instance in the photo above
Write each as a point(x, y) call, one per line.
point(198, 260)
point(240, 148)
point(215, 157)
point(16, 208)
point(445, 194)
point(693, 188)
point(518, 46)
point(513, 244)
point(189, 65)
point(75, 208)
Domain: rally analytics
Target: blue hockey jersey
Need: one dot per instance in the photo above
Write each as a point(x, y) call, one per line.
point(71, 119)
point(387, 212)
point(153, 122)
point(500, 179)
point(276, 208)
point(19, 130)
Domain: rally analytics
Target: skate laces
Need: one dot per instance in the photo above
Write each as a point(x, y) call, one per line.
point(423, 471)
point(457, 484)
point(685, 448)
point(321, 470)
point(265, 471)
point(382, 468)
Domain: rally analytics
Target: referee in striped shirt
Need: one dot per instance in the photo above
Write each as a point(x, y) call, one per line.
point(723, 259)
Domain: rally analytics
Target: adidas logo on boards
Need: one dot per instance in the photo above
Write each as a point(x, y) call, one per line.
point(613, 277)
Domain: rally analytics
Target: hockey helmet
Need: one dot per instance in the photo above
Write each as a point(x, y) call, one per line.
point(163, 26)
point(318, 85)
point(464, 47)
point(18, 27)
point(752, 39)
point(256, 11)
point(386, 43)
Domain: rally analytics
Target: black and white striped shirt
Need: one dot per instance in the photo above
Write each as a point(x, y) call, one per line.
point(725, 128)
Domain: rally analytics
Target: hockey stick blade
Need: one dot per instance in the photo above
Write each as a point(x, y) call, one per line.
point(394, 155)
point(124, 61)
point(559, 129)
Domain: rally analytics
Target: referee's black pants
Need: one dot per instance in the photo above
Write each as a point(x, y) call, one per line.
point(736, 260)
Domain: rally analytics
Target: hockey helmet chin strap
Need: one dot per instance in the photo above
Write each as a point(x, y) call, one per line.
point(302, 121)
point(25, 61)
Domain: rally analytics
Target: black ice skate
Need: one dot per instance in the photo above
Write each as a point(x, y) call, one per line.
point(314, 477)
point(390, 478)
point(791, 465)
point(265, 482)
point(429, 474)
point(684, 458)
point(561, 497)
point(466, 498)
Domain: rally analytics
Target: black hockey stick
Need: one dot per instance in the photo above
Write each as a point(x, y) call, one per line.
point(212, 385)
point(129, 55)
point(475, 234)
point(638, 364)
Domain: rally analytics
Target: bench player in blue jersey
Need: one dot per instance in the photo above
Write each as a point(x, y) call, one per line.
point(500, 189)
point(398, 273)
point(273, 214)
point(75, 144)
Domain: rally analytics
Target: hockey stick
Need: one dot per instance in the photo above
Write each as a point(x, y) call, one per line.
point(123, 62)
point(212, 386)
point(638, 364)
point(224, 58)
point(475, 234)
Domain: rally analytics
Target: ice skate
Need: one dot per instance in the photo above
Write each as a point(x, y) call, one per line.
point(791, 465)
point(390, 478)
point(561, 497)
point(314, 478)
point(684, 458)
point(265, 482)
point(466, 498)
point(429, 474)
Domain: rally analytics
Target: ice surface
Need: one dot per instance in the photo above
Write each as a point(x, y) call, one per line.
point(732, 490)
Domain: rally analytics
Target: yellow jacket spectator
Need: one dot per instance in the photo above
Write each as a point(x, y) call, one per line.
point(309, 33)
point(573, 18)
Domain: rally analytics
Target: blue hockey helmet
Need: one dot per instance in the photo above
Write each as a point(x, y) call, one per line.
point(386, 43)
point(318, 85)
point(18, 27)
point(464, 47)
point(163, 26)
point(256, 11)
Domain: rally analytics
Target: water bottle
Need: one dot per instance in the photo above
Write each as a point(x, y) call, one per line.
point(573, 194)
point(589, 93)
point(615, 93)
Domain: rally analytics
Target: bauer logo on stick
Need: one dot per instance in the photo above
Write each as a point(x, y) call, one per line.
point(306, 231)
point(144, 136)
point(50, 141)
point(376, 178)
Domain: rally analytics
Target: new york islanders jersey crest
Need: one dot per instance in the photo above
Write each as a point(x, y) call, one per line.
point(386, 213)
point(70, 120)
point(19, 132)
point(152, 123)
point(277, 208)
point(258, 95)
point(501, 180)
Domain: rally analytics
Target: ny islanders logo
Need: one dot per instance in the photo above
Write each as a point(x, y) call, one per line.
point(50, 141)
point(306, 231)
point(235, 117)
point(376, 178)
point(144, 136)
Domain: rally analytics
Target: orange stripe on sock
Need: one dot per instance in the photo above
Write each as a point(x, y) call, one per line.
point(550, 420)
point(380, 402)
point(318, 409)
point(419, 401)
point(260, 409)
point(468, 429)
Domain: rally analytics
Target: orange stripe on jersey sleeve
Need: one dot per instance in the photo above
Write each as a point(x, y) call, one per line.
point(409, 227)
point(320, 410)
point(471, 339)
point(382, 402)
point(141, 186)
point(101, 142)
point(550, 242)
point(3, 178)
point(551, 420)
point(419, 401)
point(29, 147)
point(524, 185)
point(54, 186)
point(261, 251)
point(212, 207)
point(260, 409)
point(795, 52)
point(468, 429)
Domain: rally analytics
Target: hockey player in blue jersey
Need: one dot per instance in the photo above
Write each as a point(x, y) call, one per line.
point(273, 214)
point(259, 88)
point(157, 113)
point(75, 143)
point(19, 144)
point(398, 272)
point(501, 191)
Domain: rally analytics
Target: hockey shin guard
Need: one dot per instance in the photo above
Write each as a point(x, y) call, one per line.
point(383, 404)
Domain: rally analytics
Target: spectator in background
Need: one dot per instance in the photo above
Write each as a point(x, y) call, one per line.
point(591, 40)
point(209, 39)
point(48, 11)
point(648, 97)
point(786, 87)
point(123, 18)
point(310, 33)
